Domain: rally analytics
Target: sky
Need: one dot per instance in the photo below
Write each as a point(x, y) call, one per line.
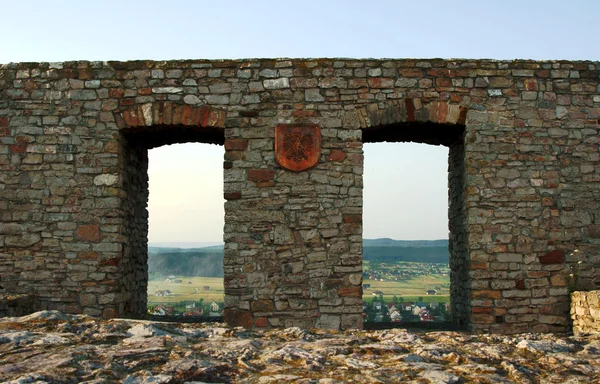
point(407, 200)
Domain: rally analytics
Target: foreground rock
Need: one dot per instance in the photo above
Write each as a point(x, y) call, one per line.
point(51, 347)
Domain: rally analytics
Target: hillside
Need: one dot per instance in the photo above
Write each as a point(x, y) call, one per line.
point(208, 261)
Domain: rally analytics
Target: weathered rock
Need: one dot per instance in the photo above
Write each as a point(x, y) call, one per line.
point(52, 347)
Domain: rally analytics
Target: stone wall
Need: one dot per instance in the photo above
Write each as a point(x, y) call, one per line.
point(524, 166)
point(585, 312)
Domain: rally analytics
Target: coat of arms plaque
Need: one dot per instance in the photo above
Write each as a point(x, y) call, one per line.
point(297, 146)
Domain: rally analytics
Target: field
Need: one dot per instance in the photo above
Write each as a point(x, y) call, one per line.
point(185, 291)
point(410, 289)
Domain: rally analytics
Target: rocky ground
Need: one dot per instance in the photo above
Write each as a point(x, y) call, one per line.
point(51, 347)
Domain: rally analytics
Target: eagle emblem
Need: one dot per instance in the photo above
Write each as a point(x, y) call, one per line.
point(297, 146)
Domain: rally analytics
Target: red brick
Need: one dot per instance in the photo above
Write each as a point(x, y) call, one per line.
point(186, 118)
point(481, 310)
point(350, 291)
point(411, 73)
point(531, 85)
point(357, 83)
point(410, 109)
point(110, 262)
point(442, 113)
point(88, 255)
point(214, 118)
point(140, 116)
point(115, 93)
point(261, 322)
point(177, 114)
point(145, 91)
point(18, 148)
point(159, 111)
point(480, 265)
point(553, 257)
point(521, 284)
point(462, 116)
point(232, 195)
point(262, 306)
point(337, 155)
point(168, 114)
point(238, 318)
point(4, 131)
point(258, 175)
point(90, 232)
point(380, 82)
point(126, 102)
point(443, 83)
point(352, 219)
point(85, 74)
point(236, 144)
point(3, 121)
point(265, 184)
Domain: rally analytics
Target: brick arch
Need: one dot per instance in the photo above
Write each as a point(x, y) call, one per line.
point(412, 119)
point(164, 122)
point(169, 113)
point(412, 110)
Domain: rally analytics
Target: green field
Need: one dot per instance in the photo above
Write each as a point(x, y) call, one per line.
point(409, 289)
point(185, 291)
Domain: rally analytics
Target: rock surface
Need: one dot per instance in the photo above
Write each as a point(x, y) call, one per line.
point(51, 347)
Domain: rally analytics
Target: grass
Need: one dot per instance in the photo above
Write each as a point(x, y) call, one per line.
point(409, 290)
point(185, 291)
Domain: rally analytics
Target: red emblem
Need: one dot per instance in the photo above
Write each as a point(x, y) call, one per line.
point(297, 146)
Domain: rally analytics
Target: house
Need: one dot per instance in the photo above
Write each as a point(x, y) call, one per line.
point(395, 316)
point(377, 306)
point(215, 310)
point(191, 305)
point(425, 315)
point(207, 287)
point(178, 281)
point(166, 292)
point(406, 306)
point(366, 286)
point(189, 282)
point(431, 292)
point(162, 310)
point(416, 309)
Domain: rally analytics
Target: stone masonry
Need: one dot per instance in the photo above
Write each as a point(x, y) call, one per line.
point(585, 312)
point(523, 171)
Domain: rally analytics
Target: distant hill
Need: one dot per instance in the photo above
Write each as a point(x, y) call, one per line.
point(418, 254)
point(208, 261)
point(387, 242)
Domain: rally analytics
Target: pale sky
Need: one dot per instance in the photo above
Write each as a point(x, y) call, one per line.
point(405, 195)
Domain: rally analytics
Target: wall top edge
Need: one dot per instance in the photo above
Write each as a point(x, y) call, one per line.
point(293, 62)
